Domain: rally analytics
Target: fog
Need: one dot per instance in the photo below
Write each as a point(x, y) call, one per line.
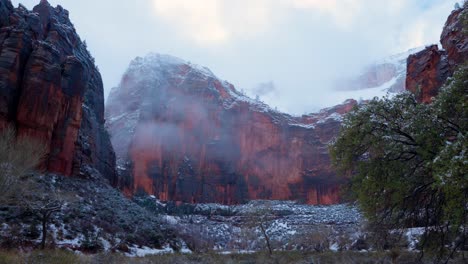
point(288, 52)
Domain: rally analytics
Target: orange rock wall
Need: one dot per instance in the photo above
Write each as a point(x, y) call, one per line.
point(196, 142)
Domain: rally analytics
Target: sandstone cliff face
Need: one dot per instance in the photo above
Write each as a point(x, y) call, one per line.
point(51, 90)
point(429, 69)
point(454, 37)
point(427, 72)
point(182, 134)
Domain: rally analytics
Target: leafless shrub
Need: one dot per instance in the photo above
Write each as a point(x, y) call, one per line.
point(260, 219)
point(197, 238)
point(316, 239)
point(18, 156)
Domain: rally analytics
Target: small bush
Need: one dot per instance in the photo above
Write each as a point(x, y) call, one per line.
point(91, 242)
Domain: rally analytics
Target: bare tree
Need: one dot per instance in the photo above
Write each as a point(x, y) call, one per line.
point(260, 218)
point(43, 209)
point(18, 156)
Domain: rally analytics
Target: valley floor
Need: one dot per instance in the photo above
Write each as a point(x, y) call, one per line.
point(288, 225)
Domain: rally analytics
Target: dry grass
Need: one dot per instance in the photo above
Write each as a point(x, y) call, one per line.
point(62, 256)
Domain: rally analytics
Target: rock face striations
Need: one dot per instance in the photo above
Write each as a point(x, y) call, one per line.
point(182, 134)
point(429, 69)
point(51, 90)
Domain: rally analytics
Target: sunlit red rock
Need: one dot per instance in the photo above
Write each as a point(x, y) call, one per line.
point(427, 72)
point(51, 90)
point(182, 134)
point(429, 69)
point(454, 37)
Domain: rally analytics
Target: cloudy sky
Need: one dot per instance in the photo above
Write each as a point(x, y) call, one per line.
point(288, 50)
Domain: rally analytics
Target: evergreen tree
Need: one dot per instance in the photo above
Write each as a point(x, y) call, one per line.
point(408, 162)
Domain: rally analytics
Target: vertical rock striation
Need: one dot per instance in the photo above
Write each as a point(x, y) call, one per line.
point(182, 134)
point(429, 69)
point(51, 90)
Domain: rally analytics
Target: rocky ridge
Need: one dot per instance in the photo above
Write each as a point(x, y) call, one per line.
point(51, 90)
point(429, 69)
point(183, 134)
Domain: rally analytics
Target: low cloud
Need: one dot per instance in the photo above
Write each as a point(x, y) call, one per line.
point(302, 46)
point(216, 22)
point(266, 88)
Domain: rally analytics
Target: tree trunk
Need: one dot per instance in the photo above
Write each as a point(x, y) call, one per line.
point(266, 238)
point(44, 231)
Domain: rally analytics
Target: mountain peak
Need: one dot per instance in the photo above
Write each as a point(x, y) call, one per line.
point(172, 119)
point(158, 61)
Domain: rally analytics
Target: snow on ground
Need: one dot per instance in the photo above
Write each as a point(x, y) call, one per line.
point(136, 251)
point(334, 247)
point(289, 225)
point(413, 235)
point(237, 252)
point(170, 219)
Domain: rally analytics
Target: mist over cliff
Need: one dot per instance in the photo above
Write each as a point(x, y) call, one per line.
point(182, 134)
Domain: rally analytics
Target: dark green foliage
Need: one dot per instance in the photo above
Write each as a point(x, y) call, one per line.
point(409, 164)
point(33, 231)
point(464, 18)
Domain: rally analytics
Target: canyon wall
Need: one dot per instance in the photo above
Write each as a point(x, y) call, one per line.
point(182, 134)
point(51, 90)
point(429, 69)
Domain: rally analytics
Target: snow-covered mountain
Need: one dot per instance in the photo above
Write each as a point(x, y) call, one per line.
point(385, 76)
point(183, 134)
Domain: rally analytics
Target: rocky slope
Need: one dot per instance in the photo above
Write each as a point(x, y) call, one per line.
point(51, 90)
point(235, 228)
point(429, 69)
point(182, 134)
point(95, 217)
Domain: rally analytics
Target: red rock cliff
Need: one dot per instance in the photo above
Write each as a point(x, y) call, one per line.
point(429, 69)
point(51, 90)
point(182, 134)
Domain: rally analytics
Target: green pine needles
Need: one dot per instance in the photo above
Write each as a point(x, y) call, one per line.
point(409, 163)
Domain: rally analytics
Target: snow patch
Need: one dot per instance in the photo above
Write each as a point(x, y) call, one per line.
point(413, 235)
point(136, 251)
point(334, 247)
point(237, 252)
